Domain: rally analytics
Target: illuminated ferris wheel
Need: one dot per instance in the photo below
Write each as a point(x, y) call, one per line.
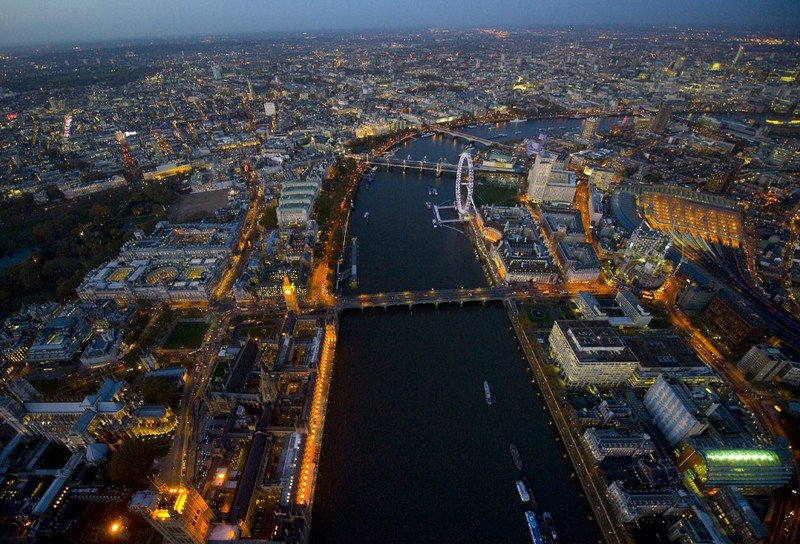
point(464, 187)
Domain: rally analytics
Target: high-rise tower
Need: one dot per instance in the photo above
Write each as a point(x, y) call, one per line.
point(539, 174)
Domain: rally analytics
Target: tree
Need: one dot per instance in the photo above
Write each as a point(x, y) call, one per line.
point(158, 391)
point(130, 462)
point(99, 213)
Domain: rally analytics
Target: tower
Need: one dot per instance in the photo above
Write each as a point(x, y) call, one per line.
point(589, 127)
point(179, 513)
point(539, 174)
point(738, 55)
point(662, 118)
point(290, 296)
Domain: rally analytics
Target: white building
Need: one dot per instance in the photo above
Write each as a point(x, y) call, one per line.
point(591, 352)
point(674, 411)
point(539, 174)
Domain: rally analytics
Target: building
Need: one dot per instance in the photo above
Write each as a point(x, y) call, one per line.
point(629, 505)
point(184, 241)
point(179, 514)
point(735, 323)
point(737, 516)
point(668, 355)
point(72, 424)
point(561, 224)
point(674, 411)
point(662, 119)
point(161, 280)
point(602, 178)
point(589, 129)
point(763, 362)
point(692, 217)
point(539, 175)
point(59, 340)
point(591, 352)
point(579, 261)
point(102, 350)
point(612, 310)
point(790, 374)
point(523, 261)
point(632, 308)
point(561, 187)
point(602, 443)
point(755, 465)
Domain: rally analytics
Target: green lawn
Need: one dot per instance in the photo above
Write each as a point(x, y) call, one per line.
point(493, 194)
point(538, 314)
point(186, 335)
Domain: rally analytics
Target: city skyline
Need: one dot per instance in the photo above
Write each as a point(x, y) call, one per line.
point(84, 21)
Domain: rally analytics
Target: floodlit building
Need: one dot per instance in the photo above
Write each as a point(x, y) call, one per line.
point(180, 514)
point(72, 424)
point(539, 175)
point(674, 411)
point(591, 353)
point(753, 465)
point(157, 279)
point(690, 216)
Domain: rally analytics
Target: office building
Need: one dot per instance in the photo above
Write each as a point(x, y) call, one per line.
point(579, 261)
point(179, 514)
point(602, 178)
point(674, 411)
point(790, 374)
point(763, 362)
point(602, 443)
point(736, 324)
point(591, 352)
point(619, 311)
point(662, 119)
point(737, 516)
point(539, 175)
point(668, 355)
point(631, 504)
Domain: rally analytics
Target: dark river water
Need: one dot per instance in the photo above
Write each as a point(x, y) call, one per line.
point(411, 451)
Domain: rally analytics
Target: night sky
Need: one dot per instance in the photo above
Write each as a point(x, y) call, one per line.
point(44, 21)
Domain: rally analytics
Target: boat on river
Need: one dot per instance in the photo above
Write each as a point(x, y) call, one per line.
point(488, 393)
point(428, 205)
point(534, 503)
point(515, 456)
point(550, 527)
point(517, 120)
point(533, 528)
point(523, 491)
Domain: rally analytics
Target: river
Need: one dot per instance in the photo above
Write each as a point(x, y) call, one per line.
point(411, 452)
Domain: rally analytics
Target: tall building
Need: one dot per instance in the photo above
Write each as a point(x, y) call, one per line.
point(590, 125)
point(662, 119)
point(738, 56)
point(290, 297)
point(674, 410)
point(539, 175)
point(179, 514)
point(216, 72)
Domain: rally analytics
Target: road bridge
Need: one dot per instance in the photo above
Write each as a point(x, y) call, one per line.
point(469, 137)
point(435, 297)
